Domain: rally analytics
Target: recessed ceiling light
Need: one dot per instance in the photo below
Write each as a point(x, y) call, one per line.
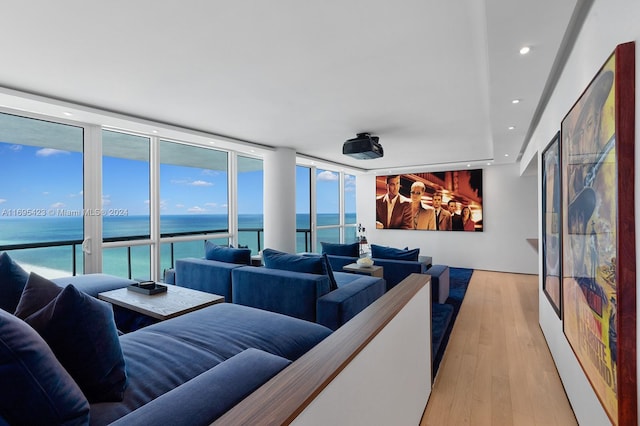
point(154, 131)
point(512, 127)
point(525, 50)
point(68, 114)
point(515, 101)
point(506, 155)
point(488, 164)
point(468, 165)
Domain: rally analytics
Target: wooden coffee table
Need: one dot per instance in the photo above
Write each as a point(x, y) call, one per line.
point(374, 270)
point(172, 303)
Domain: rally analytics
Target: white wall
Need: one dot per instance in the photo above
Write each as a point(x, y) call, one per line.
point(510, 217)
point(610, 22)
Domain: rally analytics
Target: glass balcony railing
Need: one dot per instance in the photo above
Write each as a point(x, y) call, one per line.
point(64, 257)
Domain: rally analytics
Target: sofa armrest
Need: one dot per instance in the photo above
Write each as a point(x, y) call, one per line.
point(275, 290)
point(203, 399)
point(211, 276)
point(344, 303)
point(92, 284)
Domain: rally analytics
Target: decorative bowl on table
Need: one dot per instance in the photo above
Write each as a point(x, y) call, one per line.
point(365, 262)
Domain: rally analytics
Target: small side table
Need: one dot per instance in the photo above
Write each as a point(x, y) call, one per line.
point(374, 271)
point(162, 306)
point(256, 260)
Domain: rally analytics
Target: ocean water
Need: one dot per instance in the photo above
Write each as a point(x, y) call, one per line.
point(55, 261)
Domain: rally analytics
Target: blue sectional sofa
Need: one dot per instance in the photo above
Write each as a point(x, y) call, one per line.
point(212, 273)
point(305, 295)
point(212, 276)
point(186, 370)
point(294, 285)
point(398, 264)
point(394, 270)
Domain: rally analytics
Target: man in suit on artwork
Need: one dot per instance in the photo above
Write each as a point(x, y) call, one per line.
point(456, 219)
point(443, 217)
point(393, 211)
point(423, 216)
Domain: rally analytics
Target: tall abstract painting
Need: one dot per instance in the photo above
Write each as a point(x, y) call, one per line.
point(598, 267)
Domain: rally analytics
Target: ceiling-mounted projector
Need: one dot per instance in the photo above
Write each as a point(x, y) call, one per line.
point(363, 146)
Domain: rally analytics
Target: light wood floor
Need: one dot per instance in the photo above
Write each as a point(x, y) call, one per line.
point(497, 369)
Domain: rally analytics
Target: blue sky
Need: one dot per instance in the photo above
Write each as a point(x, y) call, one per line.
point(44, 178)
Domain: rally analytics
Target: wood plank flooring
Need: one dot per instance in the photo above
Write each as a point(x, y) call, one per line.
point(497, 368)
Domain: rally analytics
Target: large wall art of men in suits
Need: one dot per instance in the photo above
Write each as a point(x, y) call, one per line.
point(435, 201)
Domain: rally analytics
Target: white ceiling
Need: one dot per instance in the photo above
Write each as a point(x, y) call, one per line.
point(433, 79)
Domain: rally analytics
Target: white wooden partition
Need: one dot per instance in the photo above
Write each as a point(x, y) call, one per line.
point(374, 370)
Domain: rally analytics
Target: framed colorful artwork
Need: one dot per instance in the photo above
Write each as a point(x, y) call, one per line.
point(551, 221)
point(436, 201)
point(598, 234)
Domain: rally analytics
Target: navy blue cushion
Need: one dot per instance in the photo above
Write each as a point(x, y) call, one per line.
point(381, 252)
point(274, 259)
point(35, 389)
point(12, 281)
point(82, 334)
point(352, 250)
point(333, 285)
point(227, 254)
point(209, 395)
point(37, 293)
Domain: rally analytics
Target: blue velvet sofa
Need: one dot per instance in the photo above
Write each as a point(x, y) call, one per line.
point(398, 264)
point(212, 273)
point(304, 287)
point(186, 370)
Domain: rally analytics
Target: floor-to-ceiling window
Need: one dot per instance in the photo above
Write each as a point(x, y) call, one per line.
point(194, 199)
point(156, 199)
point(350, 217)
point(41, 195)
point(303, 209)
point(125, 204)
point(250, 191)
point(327, 207)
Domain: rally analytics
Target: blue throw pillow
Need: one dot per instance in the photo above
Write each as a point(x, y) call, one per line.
point(12, 280)
point(333, 285)
point(275, 259)
point(351, 250)
point(227, 254)
point(381, 252)
point(37, 294)
point(35, 389)
point(81, 332)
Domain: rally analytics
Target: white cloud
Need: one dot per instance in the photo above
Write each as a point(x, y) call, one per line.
point(47, 152)
point(327, 176)
point(196, 209)
point(200, 183)
point(214, 205)
point(57, 205)
point(15, 147)
point(2, 200)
